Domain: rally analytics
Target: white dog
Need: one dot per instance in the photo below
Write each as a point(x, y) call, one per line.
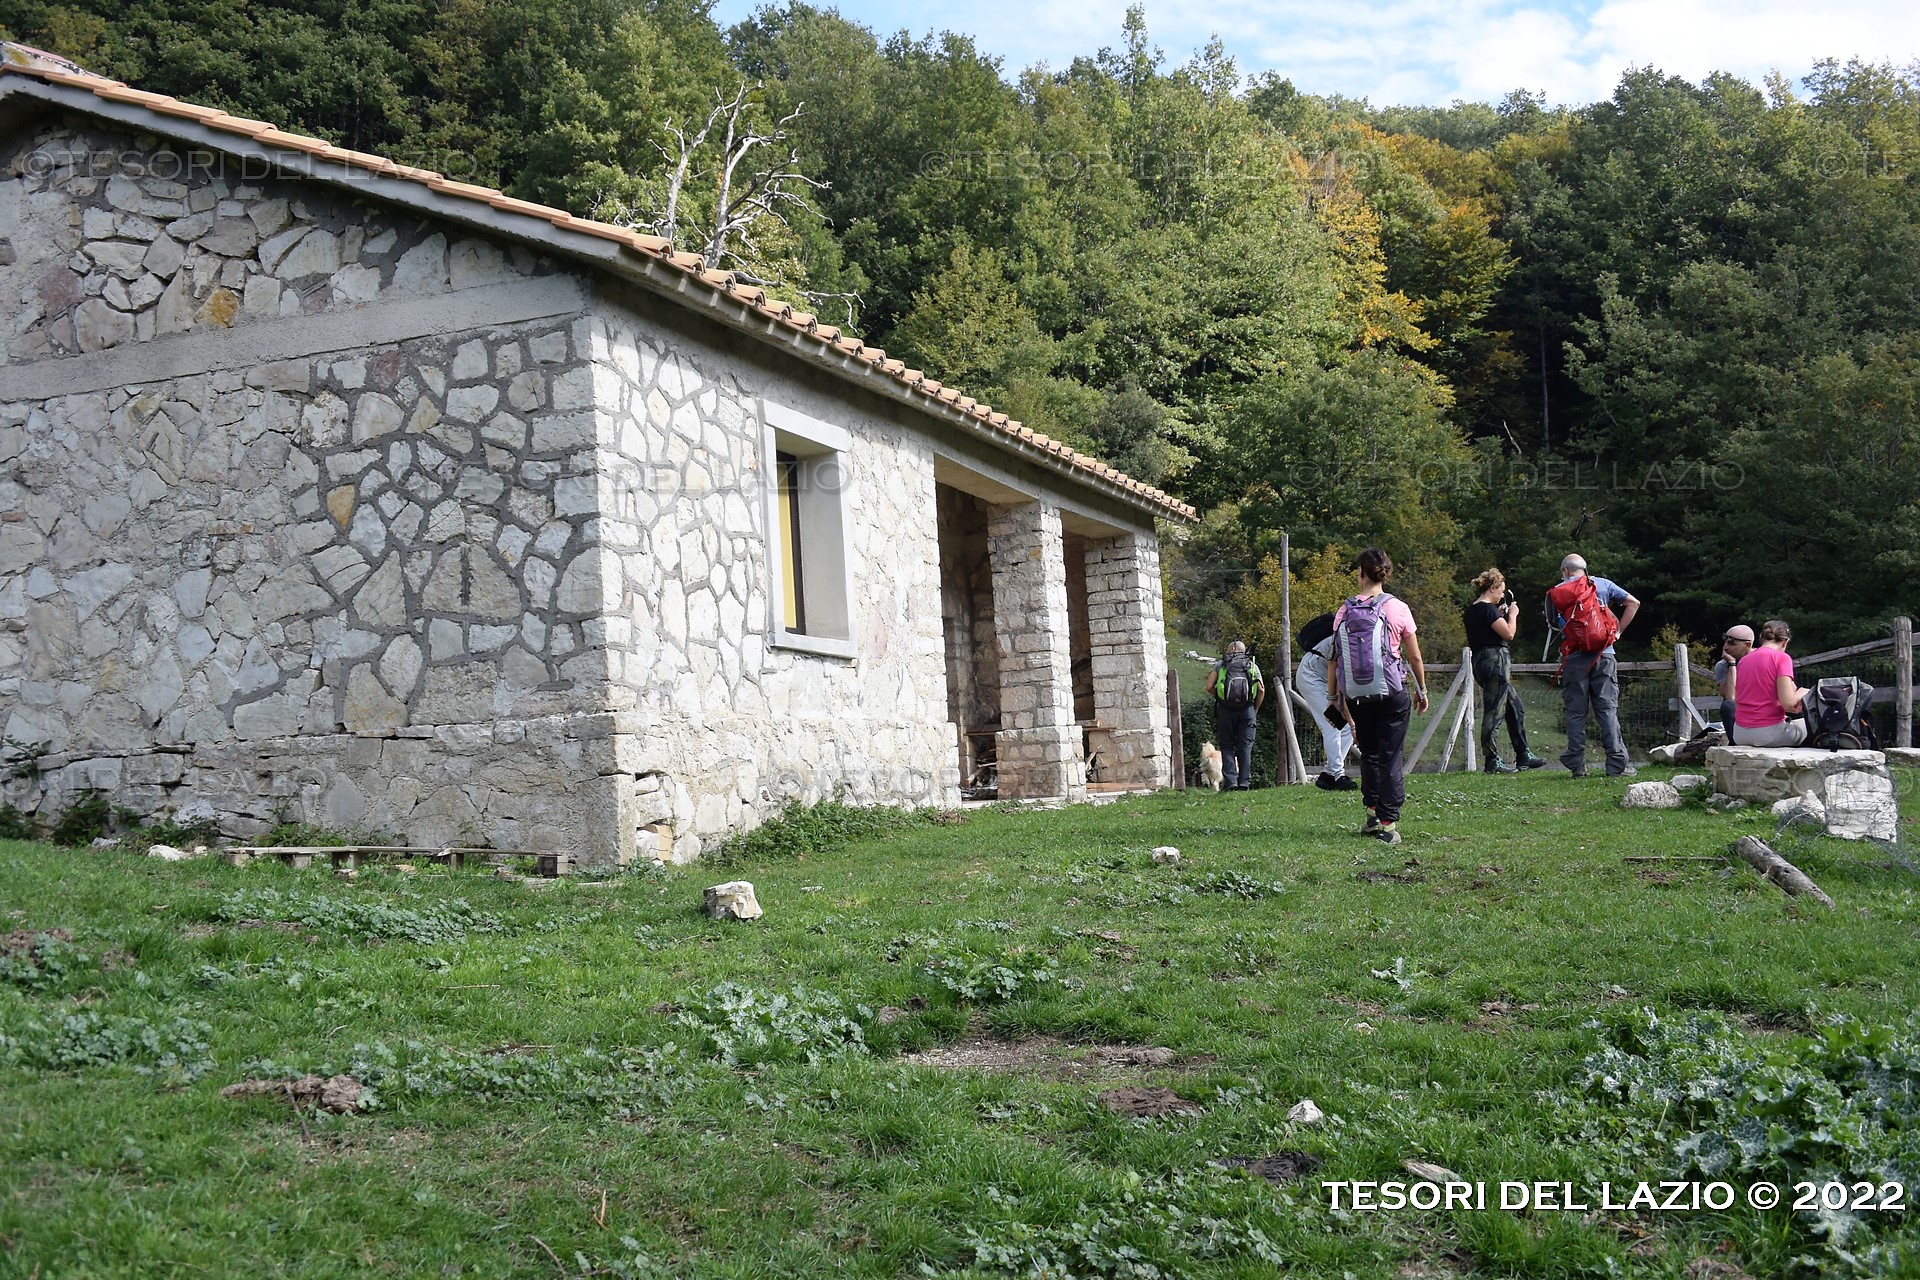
point(1210, 771)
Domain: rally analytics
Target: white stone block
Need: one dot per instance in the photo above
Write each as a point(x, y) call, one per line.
point(1861, 806)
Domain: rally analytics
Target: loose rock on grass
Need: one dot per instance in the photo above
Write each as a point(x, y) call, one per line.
point(1167, 856)
point(1306, 1112)
point(1650, 795)
point(1801, 810)
point(733, 900)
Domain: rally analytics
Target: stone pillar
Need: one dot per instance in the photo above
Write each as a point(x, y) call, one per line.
point(1038, 744)
point(1130, 658)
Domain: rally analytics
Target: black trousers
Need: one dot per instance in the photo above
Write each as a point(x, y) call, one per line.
point(1380, 729)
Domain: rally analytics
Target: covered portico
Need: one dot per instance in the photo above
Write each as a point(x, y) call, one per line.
point(1055, 644)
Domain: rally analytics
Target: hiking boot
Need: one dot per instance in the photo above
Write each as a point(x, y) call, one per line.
point(1387, 833)
point(1372, 827)
point(1497, 767)
point(1534, 762)
point(1326, 782)
point(1627, 772)
point(1344, 783)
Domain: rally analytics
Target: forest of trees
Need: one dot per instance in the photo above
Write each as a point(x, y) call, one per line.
point(1678, 330)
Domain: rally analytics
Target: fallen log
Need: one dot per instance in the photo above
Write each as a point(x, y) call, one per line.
point(1791, 880)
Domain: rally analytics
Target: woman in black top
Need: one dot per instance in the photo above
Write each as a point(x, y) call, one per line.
point(1490, 624)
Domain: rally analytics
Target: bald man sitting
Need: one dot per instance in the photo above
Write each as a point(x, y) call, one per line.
point(1735, 645)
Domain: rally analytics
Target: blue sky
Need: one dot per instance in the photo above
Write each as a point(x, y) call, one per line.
point(1432, 51)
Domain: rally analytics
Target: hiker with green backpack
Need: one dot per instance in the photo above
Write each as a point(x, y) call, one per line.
point(1238, 690)
point(1376, 663)
point(1583, 608)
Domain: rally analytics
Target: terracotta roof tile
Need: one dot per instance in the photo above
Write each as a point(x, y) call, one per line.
point(16, 59)
point(449, 187)
point(240, 124)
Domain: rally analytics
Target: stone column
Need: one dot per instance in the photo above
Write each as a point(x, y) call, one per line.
point(1130, 658)
point(1038, 744)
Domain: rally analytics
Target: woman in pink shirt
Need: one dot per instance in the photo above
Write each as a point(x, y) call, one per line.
point(1766, 702)
point(1378, 698)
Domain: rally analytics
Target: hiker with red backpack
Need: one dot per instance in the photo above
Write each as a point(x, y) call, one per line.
point(1375, 652)
point(1584, 607)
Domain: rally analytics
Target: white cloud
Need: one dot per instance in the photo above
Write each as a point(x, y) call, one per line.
point(1408, 51)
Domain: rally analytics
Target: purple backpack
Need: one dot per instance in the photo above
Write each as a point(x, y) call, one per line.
point(1368, 667)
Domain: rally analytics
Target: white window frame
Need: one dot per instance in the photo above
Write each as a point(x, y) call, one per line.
point(826, 563)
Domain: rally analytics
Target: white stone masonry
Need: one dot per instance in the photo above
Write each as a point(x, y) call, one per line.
point(1038, 746)
point(1125, 616)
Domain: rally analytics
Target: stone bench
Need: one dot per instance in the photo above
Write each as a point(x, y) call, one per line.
point(1854, 788)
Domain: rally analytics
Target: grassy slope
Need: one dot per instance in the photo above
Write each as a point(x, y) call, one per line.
point(1509, 889)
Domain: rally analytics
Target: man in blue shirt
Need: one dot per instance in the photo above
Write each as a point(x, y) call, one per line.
point(1592, 681)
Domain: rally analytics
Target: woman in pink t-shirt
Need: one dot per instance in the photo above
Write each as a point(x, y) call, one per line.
point(1766, 702)
point(1380, 721)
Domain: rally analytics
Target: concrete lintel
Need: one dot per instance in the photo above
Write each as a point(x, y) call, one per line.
point(1001, 488)
point(263, 341)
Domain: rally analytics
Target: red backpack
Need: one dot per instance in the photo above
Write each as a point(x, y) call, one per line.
point(1590, 626)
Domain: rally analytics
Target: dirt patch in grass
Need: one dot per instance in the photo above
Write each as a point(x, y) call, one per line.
point(1281, 1166)
point(1148, 1102)
point(1495, 1015)
point(20, 942)
point(1045, 1055)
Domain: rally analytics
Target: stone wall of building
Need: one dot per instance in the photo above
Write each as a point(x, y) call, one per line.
point(1129, 650)
point(312, 510)
point(322, 586)
point(715, 722)
point(1039, 745)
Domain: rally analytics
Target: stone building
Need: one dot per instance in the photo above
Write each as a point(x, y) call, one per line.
point(337, 490)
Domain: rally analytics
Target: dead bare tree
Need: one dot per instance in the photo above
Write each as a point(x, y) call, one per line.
point(744, 191)
point(743, 194)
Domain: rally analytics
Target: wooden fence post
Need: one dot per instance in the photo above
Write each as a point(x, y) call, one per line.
point(1470, 716)
point(1434, 712)
point(1290, 767)
point(1285, 749)
point(1179, 733)
point(1683, 681)
point(1293, 765)
point(1903, 682)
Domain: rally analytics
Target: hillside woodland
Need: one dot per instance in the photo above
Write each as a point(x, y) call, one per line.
point(1678, 329)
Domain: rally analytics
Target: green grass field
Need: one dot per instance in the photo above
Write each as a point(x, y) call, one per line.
point(595, 1079)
